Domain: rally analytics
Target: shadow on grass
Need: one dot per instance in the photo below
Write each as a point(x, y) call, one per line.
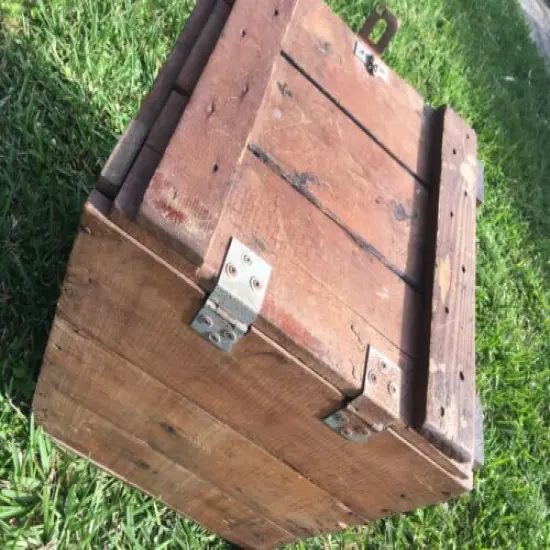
point(51, 145)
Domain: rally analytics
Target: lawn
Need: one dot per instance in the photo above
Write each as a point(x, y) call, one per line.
point(72, 73)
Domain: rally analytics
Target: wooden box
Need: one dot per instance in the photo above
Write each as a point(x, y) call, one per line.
point(267, 320)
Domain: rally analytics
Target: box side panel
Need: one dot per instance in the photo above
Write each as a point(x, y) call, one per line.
point(322, 47)
point(447, 389)
point(134, 402)
point(141, 308)
point(137, 463)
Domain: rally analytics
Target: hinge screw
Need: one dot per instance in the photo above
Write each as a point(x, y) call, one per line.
point(256, 284)
point(214, 338)
point(231, 270)
point(383, 366)
point(229, 335)
point(392, 388)
point(247, 260)
point(205, 320)
point(371, 377)
point(346, 432)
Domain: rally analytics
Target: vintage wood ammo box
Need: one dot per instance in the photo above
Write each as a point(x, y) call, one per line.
point(267, 320)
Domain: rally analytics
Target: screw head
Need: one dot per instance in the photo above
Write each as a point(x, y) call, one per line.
point(346, 432)
point(384, 367)
point(256, 284)
point(371, 377)
point(214, 338)
point(231, 270)
point(392, 389)
point(247, 260)
point(229, 335)
point(205, 320)
point(363, 430)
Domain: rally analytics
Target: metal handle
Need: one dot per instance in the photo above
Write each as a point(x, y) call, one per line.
point(392, 26)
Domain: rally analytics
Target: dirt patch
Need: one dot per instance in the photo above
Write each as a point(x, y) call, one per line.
point(537, 14)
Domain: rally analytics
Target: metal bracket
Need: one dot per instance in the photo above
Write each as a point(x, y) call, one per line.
point(374, 66)
point(377, 407)
point(237, 298)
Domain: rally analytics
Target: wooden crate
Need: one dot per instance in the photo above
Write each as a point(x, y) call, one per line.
point(267, 320)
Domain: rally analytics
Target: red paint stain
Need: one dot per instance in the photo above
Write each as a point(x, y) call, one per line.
point(168, 212)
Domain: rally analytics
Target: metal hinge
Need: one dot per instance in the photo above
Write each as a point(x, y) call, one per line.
point(237, 298)
point(374, 66)
point(377, 407)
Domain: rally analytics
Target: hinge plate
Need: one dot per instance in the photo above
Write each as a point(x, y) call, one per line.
point(377, 407)
point(372, 63)
point(237, 298)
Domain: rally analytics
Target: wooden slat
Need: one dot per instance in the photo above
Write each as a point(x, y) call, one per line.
point(338, 167)
point(449, 417)
point(166, 123)
point(136, 462)
point(203, 48)
point(327, 295)
point(190, 185)
point(323, 47)
point(121, 159)
point(142, 407)
point(141, 308)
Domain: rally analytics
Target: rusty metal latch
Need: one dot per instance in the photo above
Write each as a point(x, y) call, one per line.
point(369, 51)
point(377, 407)
point(237, 298)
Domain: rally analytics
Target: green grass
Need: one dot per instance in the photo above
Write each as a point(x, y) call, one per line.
point(72, 73)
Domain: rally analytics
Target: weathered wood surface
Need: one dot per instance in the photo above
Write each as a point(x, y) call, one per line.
point(188, 190)
point(327, 295)
point(342, 171)
point(142, 308)
point(203, 48)
point(134, 461)
point(449, 416)
point(121, 159)
point(135, 402)
point(322, 46)
point(166, 123)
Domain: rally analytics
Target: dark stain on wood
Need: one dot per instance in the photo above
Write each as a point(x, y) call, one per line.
point(169, 212)
point(283, 88)
point(399, 212)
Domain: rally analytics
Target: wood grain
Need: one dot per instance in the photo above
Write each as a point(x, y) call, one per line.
point(322, 46)
point(142, 407)
point(189, 187)
point(121, 159)
point(141, 308)
point(137, 463)
point(449, 416)
point(321, 150)
point(327, 295)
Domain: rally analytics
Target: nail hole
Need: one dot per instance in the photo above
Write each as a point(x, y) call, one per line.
point(467, 136)
point(454, 151)
point(465, 193)
point(215, 167)
point(452, 214)
point(442, 412)
point(276, 12)
point(384, 511)
point(447, 310)
point(243, 32)
point(446, 493)
point(90, 280)
point(463, 269)
point(403, 495)
point(461, 374)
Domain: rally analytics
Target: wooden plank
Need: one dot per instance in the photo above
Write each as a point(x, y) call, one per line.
point(203, 48)
point(142, 407)
point(131, 194)
point(448, 418)
point(191, 183)
point(166, 123)
point(141, 308)
point(121, 159)
point(328, 295)
point(134, 461)
point(322, 46)
point(341, 169)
